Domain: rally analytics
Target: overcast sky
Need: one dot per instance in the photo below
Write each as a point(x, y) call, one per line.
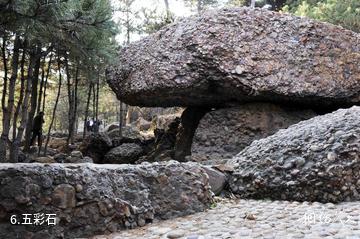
point(177, 7)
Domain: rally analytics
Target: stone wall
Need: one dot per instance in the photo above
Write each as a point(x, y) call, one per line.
point(93, 199)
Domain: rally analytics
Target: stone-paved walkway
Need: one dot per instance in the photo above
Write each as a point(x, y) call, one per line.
point(257, 219)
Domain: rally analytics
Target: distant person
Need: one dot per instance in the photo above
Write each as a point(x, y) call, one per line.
point(37, 128)
point(90, 125)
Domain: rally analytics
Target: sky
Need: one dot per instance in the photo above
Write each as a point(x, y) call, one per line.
point(177, 7)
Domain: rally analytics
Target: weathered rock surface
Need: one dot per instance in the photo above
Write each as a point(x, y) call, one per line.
point(223, 133)
point(97, 199)
point(127, 131)
point(112, 126)
point(163, 121)
point(241, 55)
point(124, 154)
point(96, 146)
point(314, 160)
point(217, 179)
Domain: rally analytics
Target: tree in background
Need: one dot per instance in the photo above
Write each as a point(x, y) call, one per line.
point(78, 32)
point(200, 5)
point(276, 5)
point(345, 13)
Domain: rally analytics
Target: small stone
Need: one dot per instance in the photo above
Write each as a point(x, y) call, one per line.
point(76, 154)
point(175, 234)
point(249, 216)
point(21, 199)
point(192, 237)
point(315, 148)
point(78, 188)
point(331, 156)
point(64, 196)
point(239, 70)
point(141, 222)
point(160, 230)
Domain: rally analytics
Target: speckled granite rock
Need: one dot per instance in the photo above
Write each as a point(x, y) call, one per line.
point(93, 199)
point(314, 160)
point(241, 55)
point(223, 133)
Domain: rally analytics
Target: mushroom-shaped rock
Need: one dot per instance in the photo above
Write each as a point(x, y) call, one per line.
point(241, 55)
point(314, 160)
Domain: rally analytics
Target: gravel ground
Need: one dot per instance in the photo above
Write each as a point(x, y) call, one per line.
point(257, 219)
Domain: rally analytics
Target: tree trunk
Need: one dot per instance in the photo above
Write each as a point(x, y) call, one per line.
point(22, 89)
point(97, 98)
point(55, 107)
point(252, 4)
point(46, 83)
point(70, 91)
point(8, 110)
point(94, 103)
point(168, 12)
point(34, 95)
point(199, 6)
point(74, 116)
point(15, 146)
point(87, 109)
point(42, 82)
point(3, 142)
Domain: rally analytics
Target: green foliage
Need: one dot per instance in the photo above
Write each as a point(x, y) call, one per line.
point(201, 4)
point(82, 27)
point(153, 21)
point(345, 13)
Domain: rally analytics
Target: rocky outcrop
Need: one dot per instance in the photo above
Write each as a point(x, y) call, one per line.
point(164, 145)
point(163, 121)
point(84, 200)
point(314, 160)
point(127, 132)
point(241, 55)
point(124, 154)
point(96, 146)
point(223, 133)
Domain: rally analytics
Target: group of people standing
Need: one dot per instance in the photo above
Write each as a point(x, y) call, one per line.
point(93, 125)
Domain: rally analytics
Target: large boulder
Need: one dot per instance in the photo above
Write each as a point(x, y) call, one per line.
point(83, 200)
point(96, 146)
point(314, 160)
point(127, 132)
point(223, 133)
point(124, 154)
point(241, 55)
